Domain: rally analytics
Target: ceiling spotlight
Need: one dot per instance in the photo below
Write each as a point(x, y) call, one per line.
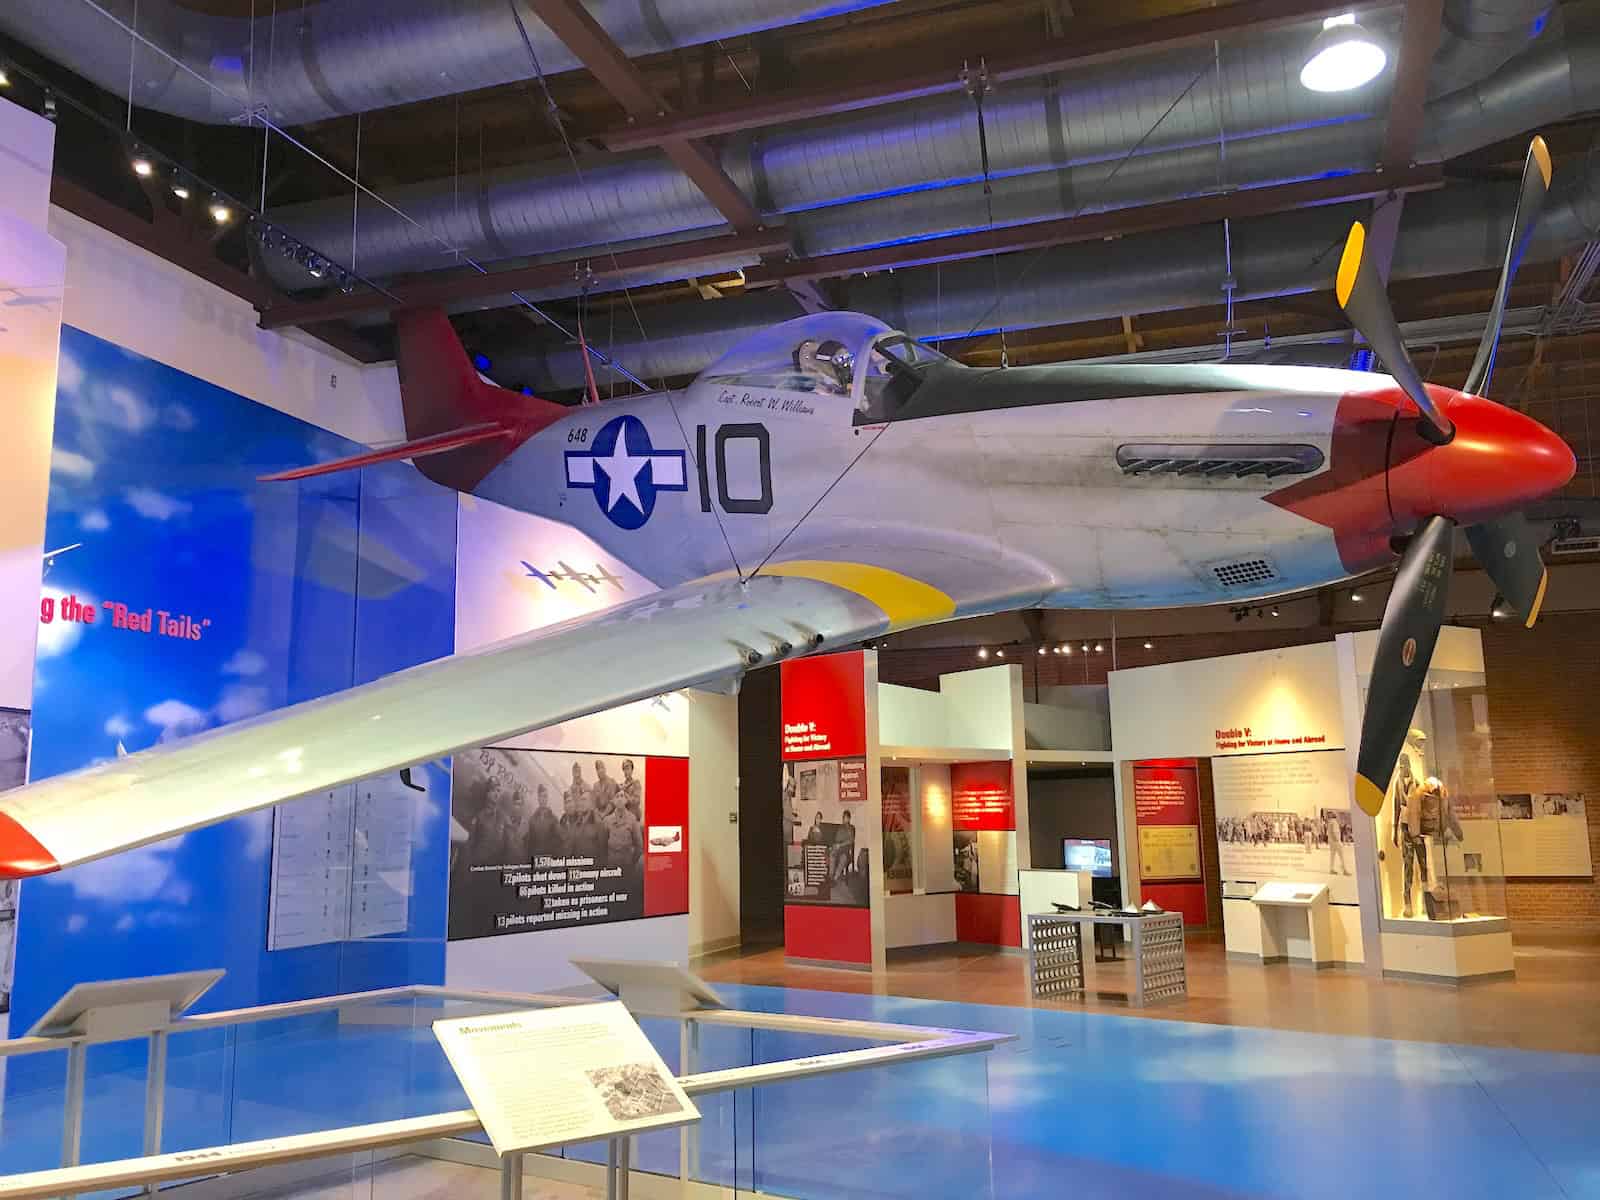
point(5, 80)
point(1065, 649)
point(220, 212)
point(180, 189)
point(141, 164)
point(983, 652)
point(1041, 649)
point(317, 267)
point(1273, 610)
point(1500, 610)
point(999, 653)
point(1149, 645)
point(347, 283)
point(1343, 56)
point(1355, 597)
point(1098, 647)
point(49, 110)
point(1086, 647)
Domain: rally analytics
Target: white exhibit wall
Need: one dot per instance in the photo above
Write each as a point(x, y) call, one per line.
point(938, 838)
point(713, 822)
point(127, 295)
point(911, 717)
point(1278, 700)
point(30, 336)
point(983, 708)
point(919, 920)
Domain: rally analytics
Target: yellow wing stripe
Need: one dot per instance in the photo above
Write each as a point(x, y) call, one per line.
point(1350, 263)
point(905, 601)
point(1538, 599)
point(1369, 796)
point(1541, 156)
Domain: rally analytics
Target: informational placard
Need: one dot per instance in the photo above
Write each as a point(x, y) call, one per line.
point(823, 707)
point(550, 1077)
point(309, 899)
point(1166, 806)
point(825, 858)
point(1286, 817)
point(556, 840)
point(981, 796)
point(1169, 852)
point(1545, 834)
point(380, 856)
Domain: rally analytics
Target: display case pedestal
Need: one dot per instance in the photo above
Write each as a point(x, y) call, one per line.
point(1470, 950)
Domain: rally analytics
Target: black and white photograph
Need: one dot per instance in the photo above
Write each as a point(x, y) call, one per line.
point(634, 1091)
point(966, 860)
point(822, 807)
point(14, 726)
point(1559, 804)
point(1516, 806)
point(552, 839)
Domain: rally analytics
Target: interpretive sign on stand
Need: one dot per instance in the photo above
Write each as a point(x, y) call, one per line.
point(547, 1077)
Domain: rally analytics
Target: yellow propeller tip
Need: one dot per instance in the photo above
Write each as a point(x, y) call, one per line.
point(1350, 263)
point(1538, 599)
point(1369, 796)
point(1541, 156)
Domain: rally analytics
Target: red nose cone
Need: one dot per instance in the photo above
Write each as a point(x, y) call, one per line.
point(1499, 461)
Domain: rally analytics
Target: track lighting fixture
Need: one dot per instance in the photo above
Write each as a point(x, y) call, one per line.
point(220, 211)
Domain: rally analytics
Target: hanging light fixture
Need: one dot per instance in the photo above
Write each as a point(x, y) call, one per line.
point(1343, 56)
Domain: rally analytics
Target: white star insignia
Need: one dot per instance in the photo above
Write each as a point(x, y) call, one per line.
point(622, 469)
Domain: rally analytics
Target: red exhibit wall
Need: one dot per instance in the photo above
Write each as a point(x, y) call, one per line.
point(824, 707)
point(666, 806)
point(982, 801)
point(827, 933)
point(994, 920)
point(1166, 792)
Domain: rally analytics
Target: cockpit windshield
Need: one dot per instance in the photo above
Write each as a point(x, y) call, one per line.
point(819, 353)
point(853, 357)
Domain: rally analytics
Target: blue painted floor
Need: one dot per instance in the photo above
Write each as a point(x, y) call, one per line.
point(1091, 1105)
point(1082, 1105)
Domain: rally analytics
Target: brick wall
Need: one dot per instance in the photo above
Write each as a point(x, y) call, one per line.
point(1544, 709)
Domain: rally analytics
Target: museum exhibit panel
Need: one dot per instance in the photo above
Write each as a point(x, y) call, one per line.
point(1086, 517)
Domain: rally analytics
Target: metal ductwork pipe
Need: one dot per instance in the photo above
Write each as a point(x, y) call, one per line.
point(1093, 116)
point(339, 57)
point(1444, 232)
point(1056, 149)
point(1480, 36)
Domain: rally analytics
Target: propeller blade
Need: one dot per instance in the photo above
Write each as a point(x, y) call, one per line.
point(1405, 647)
point(1507, 550)
point(1361, 294)
point(1530, 203)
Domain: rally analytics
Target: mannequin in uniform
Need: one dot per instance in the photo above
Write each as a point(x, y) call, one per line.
point(1408, 777)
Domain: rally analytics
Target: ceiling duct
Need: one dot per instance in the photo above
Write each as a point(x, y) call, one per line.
point(338, 57)
point(1443, 232)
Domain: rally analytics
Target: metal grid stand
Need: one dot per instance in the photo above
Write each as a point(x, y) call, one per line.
point(1158, 960)
point(1055, 955)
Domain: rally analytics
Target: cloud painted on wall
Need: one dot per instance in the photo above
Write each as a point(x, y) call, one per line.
point(157, 506)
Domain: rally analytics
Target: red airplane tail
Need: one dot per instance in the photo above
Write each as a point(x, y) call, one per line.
point(458, 427)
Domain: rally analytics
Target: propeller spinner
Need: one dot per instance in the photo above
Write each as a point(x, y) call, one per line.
point(1485, 463)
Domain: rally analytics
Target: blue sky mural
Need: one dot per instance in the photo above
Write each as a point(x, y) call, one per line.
point(240, 597)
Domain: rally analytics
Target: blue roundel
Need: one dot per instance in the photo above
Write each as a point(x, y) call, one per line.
point(624, 471)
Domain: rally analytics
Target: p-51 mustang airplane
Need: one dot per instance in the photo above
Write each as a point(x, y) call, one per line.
point(830, 480)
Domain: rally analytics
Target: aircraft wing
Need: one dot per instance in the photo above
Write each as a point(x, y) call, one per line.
point(701, 632)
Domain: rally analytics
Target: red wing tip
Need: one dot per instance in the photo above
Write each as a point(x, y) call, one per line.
point(21, 854)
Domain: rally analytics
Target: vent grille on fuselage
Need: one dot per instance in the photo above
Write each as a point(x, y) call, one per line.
point(1244, 572)
point(1214, 460)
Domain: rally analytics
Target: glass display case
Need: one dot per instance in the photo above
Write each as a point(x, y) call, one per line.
point(1438, 833)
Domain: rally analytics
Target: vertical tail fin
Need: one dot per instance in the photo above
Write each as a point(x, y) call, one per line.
point(440, 393)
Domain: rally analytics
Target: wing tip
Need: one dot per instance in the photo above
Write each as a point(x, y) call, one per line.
point(1541, 157)
point(21, 854)
point(1369, 796)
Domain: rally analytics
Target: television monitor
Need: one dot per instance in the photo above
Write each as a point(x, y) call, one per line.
point(1087, 854)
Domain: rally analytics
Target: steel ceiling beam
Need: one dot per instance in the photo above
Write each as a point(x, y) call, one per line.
point(450, 287)
point(1419, 40)
point(1242, 204)
point(1202, 27)
point(593, 46)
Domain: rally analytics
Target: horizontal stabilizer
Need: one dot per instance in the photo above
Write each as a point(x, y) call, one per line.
point(416, 448)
